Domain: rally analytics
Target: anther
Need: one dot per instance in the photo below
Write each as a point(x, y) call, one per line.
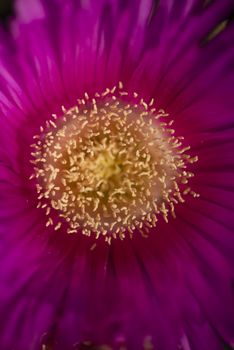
point(110, 167)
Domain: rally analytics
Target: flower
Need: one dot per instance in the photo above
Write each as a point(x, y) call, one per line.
point(144, 59)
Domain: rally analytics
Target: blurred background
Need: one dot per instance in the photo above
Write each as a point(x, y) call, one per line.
point(5, 9)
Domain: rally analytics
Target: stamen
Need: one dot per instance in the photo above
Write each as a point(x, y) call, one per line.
point(109, 166)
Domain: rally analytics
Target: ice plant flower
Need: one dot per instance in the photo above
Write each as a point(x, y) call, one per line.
point(116, 175)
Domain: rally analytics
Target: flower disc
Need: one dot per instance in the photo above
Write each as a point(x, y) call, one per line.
point(109, 166)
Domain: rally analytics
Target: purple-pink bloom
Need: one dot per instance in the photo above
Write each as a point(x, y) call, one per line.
point(173, 289)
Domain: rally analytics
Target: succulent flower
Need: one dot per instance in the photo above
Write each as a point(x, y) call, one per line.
point(116, 175)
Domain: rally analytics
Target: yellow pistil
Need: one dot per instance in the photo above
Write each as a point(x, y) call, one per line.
point(110, 166)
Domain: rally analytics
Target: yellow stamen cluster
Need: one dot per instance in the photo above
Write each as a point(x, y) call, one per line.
point(110, 166)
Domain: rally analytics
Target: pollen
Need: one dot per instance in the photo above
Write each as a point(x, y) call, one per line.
point(110, 166)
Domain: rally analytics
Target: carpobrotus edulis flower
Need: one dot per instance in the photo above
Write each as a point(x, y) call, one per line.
point(116, 175)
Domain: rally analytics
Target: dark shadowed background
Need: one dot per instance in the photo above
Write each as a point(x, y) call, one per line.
point(5, 9)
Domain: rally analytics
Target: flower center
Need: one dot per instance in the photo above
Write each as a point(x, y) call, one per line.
point(110, 166)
